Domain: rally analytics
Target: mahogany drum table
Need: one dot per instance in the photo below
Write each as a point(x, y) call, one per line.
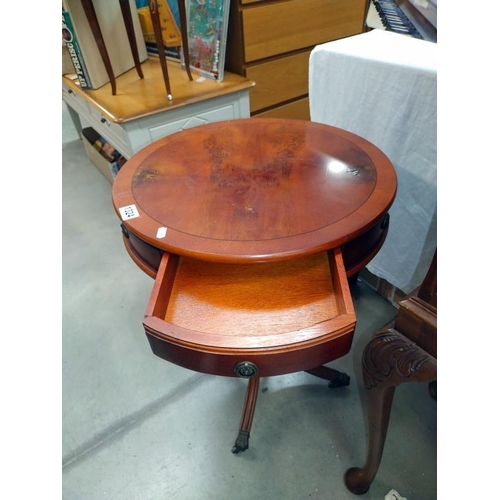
point(251, 229)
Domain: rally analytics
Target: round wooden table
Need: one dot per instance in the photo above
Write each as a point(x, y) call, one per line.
point(251, 229)
point(255, 190)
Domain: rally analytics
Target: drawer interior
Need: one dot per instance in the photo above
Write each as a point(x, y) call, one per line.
point(231, 298)
point(250, 305)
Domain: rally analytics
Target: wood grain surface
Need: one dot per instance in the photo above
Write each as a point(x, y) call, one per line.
point(255, 190)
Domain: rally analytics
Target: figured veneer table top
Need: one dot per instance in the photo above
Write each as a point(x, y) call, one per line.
point(254, 190)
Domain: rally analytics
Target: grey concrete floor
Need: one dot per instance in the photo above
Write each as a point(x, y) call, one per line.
point(136, 427)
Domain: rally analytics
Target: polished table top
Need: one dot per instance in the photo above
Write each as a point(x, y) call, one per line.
point(254, 190)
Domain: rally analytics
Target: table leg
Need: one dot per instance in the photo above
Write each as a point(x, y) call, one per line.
point(75, 118)
point(184, 35)
point(88, 7)
point(129, 27)
point(155, 18)
point(241, 443)
point(389, 359)
point(336, 378)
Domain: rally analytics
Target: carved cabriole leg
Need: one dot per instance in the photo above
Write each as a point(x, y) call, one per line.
point(241, 443)
point(389, 360)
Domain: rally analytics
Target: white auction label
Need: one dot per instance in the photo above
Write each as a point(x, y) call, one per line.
point(161, 233)
point(129, 212)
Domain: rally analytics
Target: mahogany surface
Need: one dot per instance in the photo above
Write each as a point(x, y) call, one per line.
point(256, 190)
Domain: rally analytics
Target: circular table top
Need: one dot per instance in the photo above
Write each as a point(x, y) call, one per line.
point(254, 190)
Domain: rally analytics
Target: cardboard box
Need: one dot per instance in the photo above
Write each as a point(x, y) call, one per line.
point(107, 159)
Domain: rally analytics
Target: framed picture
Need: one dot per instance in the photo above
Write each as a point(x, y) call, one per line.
point(207, 22)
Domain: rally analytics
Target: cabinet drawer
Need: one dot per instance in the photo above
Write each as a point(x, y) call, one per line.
point(111, 127)
point(74, 101)
point(297, 110)
point(282, 317)
point(277, 28)
point(277, 81)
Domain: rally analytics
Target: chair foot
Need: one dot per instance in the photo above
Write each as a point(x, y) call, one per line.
point(356, 482)
point(241, 443)
point(336, 378)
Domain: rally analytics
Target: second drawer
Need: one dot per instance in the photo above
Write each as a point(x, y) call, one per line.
point(278, 81)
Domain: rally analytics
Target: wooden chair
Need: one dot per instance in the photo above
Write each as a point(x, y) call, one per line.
point(405, 351)
point(91, 15)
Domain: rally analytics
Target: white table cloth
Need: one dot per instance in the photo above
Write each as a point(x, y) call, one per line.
point(383, 86)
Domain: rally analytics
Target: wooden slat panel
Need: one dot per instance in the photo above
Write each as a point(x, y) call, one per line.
point(298, 110)
point(277, 81)
point(272, 29)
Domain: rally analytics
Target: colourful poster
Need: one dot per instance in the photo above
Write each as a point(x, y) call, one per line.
point(207, 32)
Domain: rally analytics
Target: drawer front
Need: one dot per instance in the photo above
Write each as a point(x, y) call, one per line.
point(277, 81)
point(112, 132)
point(227, 107)
point(111, 127)
point(79, 104)
point(210, 318)
point(297, 110)
point(277, 28)
point(230, 107)
point(226, 113)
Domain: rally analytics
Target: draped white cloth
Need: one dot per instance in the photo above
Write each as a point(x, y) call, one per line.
point(383, 86)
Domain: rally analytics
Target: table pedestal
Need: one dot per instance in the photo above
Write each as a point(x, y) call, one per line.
point(249, 321)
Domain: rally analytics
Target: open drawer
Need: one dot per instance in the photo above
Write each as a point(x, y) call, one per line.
point(248, 319)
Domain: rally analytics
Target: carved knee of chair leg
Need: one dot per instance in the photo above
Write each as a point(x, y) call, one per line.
point(389, 360)
point(392, 359)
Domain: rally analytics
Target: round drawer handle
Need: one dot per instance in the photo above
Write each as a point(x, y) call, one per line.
point(103, 120)
point(246, 369)
point(125, 231)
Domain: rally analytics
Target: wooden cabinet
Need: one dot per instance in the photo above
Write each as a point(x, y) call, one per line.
point(269, 42)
